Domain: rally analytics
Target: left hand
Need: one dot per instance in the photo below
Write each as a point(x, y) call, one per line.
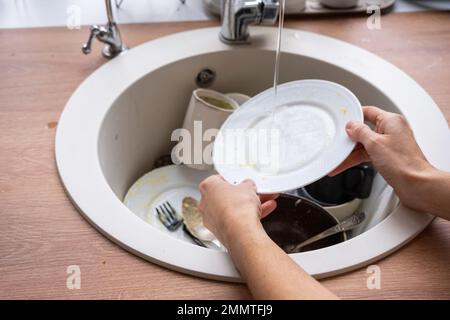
point(228, 209)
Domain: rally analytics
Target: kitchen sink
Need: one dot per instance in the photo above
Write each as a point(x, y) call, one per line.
point(120, 120)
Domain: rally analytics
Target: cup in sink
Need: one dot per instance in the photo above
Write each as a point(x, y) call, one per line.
point(207, 110)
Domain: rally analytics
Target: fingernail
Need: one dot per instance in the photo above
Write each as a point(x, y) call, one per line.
point(350, 125)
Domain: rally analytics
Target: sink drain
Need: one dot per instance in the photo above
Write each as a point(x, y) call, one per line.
point(205, 78)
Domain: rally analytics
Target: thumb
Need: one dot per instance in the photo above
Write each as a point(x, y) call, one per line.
point(267, 208)
point(360, 132)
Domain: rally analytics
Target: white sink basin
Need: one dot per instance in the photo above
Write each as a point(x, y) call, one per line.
point(120, 120)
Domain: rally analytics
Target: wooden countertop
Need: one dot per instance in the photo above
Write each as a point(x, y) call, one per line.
point(41, 233)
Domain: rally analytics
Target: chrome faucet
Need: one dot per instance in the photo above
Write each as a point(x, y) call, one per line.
point(108, 34)
point(237, 15)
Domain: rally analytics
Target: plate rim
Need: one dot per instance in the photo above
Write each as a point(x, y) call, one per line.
point(221, 169)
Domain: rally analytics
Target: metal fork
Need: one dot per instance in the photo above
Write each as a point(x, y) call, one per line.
point(169, 217)
point(172, 221)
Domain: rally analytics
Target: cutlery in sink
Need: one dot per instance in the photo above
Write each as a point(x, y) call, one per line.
point(346, 225)
point(191, 221)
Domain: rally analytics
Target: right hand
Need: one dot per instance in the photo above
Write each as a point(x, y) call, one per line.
point(232, 209)
point(391, 148)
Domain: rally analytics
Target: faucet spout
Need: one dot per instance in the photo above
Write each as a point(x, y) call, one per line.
point(237, 15)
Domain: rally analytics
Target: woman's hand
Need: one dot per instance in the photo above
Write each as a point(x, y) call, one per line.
point(392, 149)
point(233, 214)
point(229, 209)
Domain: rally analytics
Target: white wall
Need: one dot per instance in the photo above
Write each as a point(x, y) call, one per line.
point(41, 13)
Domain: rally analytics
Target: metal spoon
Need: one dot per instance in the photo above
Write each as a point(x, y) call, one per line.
point(346, 225)
point(193, 222)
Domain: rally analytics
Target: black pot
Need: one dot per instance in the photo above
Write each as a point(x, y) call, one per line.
point(353, 183)
point(297, 219)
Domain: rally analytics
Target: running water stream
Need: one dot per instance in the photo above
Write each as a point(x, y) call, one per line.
point(276, 72)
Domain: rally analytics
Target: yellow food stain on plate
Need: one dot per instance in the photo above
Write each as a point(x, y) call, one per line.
point(157, 180)
point(251, 165)
point(138, 184)
point(343, 110)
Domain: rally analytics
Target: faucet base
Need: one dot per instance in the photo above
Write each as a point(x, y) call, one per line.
point(241, 41)
point(237, 15)
point(109, 53)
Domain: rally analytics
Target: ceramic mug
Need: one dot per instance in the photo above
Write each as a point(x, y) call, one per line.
point(208, 109)
point(341, 195)
point(240, 98)
point(345, 210)
point(339, 211)
point(353, 183)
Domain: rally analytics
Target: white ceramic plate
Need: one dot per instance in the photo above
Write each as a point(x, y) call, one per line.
point(304, 128)
point(171, 183)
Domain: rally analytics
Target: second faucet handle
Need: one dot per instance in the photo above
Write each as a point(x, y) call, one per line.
point(108, 34)
point(94, 31)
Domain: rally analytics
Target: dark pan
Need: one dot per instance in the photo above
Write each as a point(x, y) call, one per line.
point(297, 219)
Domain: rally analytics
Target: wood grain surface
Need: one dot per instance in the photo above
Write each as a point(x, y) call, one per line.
point(41, 233)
